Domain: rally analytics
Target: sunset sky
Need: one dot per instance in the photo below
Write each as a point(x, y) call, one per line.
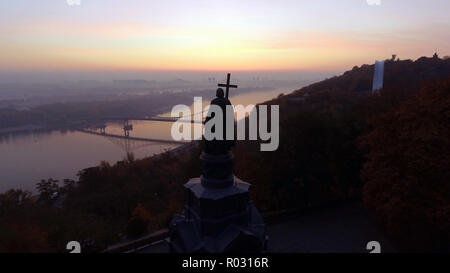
point(211, 35)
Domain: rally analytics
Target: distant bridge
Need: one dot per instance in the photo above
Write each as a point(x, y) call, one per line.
point(129, 143)
point(164, 141)
point(163, 119)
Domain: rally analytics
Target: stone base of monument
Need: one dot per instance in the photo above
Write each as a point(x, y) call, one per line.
point(218, 215)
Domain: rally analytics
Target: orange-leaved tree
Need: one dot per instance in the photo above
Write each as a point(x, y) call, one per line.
point(407, 172)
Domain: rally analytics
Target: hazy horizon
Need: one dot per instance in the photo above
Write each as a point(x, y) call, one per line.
point(155, 75)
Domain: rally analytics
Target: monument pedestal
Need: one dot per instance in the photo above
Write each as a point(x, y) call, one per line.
point(218, 215)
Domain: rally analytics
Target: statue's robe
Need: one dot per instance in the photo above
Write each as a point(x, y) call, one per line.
point(219, 146)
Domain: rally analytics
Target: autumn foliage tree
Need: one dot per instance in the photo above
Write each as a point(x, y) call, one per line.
point(139, 221)
point(407, 172)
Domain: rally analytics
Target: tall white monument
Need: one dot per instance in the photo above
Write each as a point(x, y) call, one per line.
point(378, 76)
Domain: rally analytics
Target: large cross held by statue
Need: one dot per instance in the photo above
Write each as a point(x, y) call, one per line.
point(228, 85)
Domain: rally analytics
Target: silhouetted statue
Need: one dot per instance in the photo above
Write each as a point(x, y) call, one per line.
point(216, 146)
point(218, 216)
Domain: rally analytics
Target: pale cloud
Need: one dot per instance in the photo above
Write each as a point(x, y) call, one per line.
point(374, 2)
point(73, 2)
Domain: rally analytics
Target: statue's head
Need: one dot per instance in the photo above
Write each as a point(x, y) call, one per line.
point(219, 93)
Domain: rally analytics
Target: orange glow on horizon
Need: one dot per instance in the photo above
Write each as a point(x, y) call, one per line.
point(151, 47)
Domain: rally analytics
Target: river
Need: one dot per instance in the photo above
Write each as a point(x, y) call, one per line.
point(27, 158)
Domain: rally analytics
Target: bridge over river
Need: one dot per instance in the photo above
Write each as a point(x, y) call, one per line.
point(162, 119)
point(128, 142)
